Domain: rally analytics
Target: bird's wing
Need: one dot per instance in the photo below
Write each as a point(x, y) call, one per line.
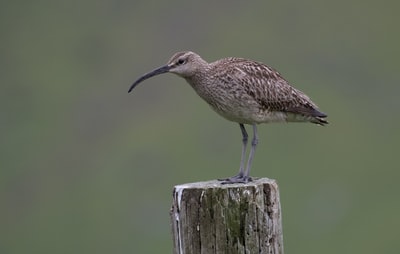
point(273, 93)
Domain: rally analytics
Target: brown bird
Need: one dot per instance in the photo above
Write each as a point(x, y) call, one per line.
point(242, 91)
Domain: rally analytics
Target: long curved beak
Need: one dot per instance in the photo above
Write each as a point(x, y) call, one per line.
point(160, 70)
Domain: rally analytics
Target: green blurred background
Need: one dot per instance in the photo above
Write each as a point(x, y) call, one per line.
point(88, 168)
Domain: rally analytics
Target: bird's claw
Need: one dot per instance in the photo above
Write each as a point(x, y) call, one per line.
point(236, 179)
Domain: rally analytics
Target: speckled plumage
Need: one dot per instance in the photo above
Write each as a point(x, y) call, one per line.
point(248, 92)
point(243, 91)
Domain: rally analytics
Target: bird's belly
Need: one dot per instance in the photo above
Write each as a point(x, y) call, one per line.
point(243, 117)
point(248, 114)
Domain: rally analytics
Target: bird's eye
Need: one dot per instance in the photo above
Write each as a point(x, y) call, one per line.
point(181, 61)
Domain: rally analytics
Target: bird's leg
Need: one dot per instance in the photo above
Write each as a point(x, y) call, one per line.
point(239, 178)
point(244, 146)
point(254, 143)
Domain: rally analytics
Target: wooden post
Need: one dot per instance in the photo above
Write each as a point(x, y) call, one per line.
point(211, 218)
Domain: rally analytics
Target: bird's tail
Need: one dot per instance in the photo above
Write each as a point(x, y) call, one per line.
point(309, 114)
point(319, 118)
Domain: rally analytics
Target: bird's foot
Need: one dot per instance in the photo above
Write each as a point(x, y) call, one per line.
point(236, 179)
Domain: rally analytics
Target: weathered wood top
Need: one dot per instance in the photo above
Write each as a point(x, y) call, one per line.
point(217, 184)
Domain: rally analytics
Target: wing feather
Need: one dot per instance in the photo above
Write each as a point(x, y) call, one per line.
point(270, 90)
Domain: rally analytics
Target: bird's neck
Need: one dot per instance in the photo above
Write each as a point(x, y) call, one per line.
point(200, 83)
point(196, 80)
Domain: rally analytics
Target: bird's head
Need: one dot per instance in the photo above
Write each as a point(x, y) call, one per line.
point(184, 64)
